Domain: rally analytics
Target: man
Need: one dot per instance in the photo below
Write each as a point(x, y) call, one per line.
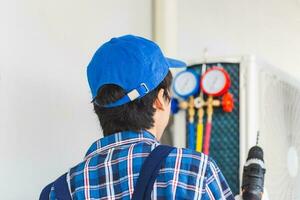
point(130, 82)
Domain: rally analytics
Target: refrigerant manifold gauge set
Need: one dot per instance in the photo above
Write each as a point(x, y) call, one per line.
point(200, 94)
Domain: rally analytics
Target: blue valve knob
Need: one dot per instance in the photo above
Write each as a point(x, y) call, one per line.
point(174, 106)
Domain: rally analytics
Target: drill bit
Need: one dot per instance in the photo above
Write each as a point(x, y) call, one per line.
point(257, 138)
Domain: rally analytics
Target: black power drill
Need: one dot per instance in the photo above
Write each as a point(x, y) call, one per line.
point(253, 175)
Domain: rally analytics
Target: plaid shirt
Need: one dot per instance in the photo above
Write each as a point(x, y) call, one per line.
point(111, 168)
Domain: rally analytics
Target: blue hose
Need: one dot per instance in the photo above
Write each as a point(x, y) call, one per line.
point(191, 136)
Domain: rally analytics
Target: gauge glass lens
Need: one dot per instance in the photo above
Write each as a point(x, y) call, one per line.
point(185, 83)
point(214, 81)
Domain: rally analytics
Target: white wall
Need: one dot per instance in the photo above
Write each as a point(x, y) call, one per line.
point(269, 29)
point(46, 119)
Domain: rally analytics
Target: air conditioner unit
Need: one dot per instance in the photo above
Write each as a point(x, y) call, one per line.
point(266, 100)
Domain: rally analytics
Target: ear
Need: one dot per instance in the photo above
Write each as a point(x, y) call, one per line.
point(160, 102)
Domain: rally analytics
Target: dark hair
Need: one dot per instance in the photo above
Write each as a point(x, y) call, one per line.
point(133, 116)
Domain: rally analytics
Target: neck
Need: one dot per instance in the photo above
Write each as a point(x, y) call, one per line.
point(153, 132)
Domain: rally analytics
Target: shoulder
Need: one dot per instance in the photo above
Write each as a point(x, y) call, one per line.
point(189, 155)
point(191, 160)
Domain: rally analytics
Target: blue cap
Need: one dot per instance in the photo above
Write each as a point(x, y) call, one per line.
point(134, 63)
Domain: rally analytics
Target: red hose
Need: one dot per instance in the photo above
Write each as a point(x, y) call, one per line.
point(207, 138)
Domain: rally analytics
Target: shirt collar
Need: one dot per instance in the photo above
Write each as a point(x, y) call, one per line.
point(119, 139)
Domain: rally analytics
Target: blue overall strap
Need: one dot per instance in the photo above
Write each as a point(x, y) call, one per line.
point(46, 192)
point(149, 172)
point(61, 189)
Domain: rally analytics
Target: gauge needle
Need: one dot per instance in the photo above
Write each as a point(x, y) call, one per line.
point(184, 85)
point(214, 82)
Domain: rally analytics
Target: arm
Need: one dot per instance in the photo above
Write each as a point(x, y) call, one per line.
point(215, 185)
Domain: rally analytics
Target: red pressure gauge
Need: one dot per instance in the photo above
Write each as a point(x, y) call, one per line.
point(215, 81)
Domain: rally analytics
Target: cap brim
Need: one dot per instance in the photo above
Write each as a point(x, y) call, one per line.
point(173, 63)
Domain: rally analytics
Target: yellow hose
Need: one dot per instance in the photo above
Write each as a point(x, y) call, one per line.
point(199, 137)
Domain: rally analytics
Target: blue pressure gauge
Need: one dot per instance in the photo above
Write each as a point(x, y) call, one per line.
point(186, 83)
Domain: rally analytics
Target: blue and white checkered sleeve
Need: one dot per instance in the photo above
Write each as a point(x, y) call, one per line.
point(215, 185)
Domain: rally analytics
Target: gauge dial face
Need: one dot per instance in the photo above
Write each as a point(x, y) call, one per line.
point(215, 82)
point(186, 83)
